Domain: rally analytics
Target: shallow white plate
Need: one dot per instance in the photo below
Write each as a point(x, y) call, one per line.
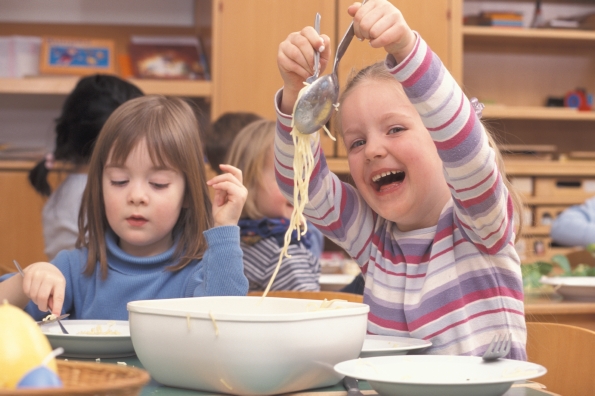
point(425, 375)
point(377, 345)
point(334, 282)
point(80, 345)
point(573, 287)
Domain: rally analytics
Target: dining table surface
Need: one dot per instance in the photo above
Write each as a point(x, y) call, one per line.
point(153, 388)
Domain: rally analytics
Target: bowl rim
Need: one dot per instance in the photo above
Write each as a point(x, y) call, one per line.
point(144, 307)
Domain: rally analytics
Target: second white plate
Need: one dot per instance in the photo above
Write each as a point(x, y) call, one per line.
point(377, 345)
point(91, 338)
point(429, 375)
point(573, 287)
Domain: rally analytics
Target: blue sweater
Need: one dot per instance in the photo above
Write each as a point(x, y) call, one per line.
point(130, 278)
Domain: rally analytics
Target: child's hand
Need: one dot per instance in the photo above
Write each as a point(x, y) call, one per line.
point(383, 24)
point(295, 60)
point(230, 196)
point(45, 285)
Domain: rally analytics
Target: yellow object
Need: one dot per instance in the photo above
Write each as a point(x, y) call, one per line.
point(22, 345)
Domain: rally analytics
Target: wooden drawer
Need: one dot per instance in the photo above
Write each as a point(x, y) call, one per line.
point(579, 187)
point(545, 215)
point(523, 185)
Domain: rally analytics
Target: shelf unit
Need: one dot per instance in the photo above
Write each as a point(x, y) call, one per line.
point(513, 71)
point(64, 85)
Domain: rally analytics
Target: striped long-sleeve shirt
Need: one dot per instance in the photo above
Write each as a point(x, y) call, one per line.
point(457, 283)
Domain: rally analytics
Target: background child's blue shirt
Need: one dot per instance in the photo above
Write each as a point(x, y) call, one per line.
point(130, 278)
point(575, 226)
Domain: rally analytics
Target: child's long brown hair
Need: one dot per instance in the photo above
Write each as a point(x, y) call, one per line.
point(378, 71)
point(170, 129)
point(248, 153)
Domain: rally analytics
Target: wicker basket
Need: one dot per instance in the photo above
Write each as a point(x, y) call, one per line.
point(87, 378)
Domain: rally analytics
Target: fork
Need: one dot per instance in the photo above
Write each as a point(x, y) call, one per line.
point(498, 348)
point(16, 263)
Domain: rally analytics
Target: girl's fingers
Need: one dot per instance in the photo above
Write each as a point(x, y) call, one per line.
point(57, 299)
point(235, 172)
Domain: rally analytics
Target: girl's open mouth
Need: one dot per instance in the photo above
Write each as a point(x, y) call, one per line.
point(384, 180)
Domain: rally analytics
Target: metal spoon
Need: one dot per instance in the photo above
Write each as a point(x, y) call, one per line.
point(57, 318)
point(314, 76)
point(315, 106)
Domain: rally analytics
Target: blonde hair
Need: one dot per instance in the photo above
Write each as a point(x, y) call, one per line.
point(248, 153)
point(379, 72)
point(170, 129)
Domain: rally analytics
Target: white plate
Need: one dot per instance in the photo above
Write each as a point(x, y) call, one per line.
point(377, 345)
point(425, 375)
point(573, 287)
point(81, 345)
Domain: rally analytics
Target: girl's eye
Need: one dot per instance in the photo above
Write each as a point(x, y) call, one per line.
point(356, 144)
point(396, 129)
point(160, 186)
point(119, 182)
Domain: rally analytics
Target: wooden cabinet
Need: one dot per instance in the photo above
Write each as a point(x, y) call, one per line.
point(246, 37)
point(21, 235)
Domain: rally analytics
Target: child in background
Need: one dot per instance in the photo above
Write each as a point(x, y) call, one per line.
point(147, 229)
point(430, 221)
point(575, 226)
point(219, 137)
point(84, 112)
point(265, 218)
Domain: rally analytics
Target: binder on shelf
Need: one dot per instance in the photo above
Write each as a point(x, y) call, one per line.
point(168, 57)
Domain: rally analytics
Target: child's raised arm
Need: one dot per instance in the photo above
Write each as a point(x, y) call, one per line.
point(230, 196)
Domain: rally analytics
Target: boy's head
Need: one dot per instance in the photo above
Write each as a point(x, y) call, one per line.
point(219, 137)
point(85, 111)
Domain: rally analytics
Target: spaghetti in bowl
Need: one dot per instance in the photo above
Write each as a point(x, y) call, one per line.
point(246, 345)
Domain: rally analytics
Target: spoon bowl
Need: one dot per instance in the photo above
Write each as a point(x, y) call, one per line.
point(315, 106)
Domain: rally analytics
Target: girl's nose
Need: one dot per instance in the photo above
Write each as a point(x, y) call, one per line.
point(137, 195)
point(374, 149)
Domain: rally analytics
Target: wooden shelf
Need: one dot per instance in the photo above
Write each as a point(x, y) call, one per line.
point(537, 230)
point(550, 168)
point(537, 113)
point(532, 34)
point(64, 85)
point(570, 200)
point(338, 165)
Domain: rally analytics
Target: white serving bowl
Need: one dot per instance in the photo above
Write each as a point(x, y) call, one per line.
point(246, 345)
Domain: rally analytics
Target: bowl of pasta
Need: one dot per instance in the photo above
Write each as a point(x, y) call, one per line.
point(246, 345)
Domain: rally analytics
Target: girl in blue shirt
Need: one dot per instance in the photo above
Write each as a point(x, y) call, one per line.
point(147, 229)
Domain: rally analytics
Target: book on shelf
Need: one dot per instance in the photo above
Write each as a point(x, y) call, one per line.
point(76, 56)
point(168, 57)
point(495, 19)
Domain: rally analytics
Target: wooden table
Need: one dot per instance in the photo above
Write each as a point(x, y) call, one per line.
point(153, 388)
point(553, 309)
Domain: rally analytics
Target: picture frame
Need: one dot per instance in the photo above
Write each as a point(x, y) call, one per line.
point(77, 56)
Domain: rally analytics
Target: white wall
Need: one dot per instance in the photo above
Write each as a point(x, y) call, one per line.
point(114, 12)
